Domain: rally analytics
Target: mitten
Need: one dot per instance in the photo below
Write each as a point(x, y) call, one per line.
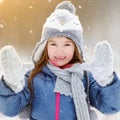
point(102, 63)
point(13, 69)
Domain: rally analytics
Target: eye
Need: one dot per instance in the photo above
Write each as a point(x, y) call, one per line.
point(53, 44)
point(67, 44)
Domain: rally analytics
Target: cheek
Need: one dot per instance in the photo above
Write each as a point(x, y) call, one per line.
point(70, 53)
point(50, 52)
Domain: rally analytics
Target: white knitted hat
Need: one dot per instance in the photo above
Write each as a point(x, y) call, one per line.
point(62, 22)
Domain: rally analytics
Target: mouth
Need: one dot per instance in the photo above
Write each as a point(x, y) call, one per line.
point(60, 58)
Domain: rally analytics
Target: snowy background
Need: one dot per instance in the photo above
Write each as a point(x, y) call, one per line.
point(21, 23)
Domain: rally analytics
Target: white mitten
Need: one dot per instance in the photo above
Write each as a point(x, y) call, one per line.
point(102, 63)
point(13, 68)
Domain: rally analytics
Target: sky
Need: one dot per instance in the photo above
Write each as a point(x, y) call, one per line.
point(21, 24)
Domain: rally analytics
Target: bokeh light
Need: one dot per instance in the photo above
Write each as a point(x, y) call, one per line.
point(21, 25)
point(1, 1)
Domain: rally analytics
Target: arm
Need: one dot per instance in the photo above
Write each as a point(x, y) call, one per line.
point(12, 103)
point(106, 99)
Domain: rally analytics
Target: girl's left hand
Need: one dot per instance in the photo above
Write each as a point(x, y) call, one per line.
point(102, 63)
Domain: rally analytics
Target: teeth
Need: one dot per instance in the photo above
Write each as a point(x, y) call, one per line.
point(60, 57)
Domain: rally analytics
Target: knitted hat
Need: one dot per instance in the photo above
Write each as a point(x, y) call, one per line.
point(62, 22)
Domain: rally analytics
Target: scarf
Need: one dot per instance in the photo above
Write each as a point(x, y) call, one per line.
point(69, 83)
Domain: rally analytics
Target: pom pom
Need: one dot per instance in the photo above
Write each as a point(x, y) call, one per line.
point(67, 5)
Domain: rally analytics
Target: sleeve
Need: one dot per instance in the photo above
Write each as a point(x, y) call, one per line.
point(105, 99)
point(10, 102)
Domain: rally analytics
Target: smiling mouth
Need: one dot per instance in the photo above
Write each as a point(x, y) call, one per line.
point(60, 58)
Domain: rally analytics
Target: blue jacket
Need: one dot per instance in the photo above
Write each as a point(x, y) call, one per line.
point(106, 99)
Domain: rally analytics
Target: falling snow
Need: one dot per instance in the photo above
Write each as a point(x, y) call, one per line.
point(30, 6)
point(89, 28)
point(100, 21)
point(19, 2)
point(1, 26)
point(49, 0)
point(30, 31)
point(15, 18)
point(79, 6)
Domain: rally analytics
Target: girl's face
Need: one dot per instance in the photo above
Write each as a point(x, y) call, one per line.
point(60, 50)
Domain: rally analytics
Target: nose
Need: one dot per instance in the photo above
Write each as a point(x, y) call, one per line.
point(60, 50)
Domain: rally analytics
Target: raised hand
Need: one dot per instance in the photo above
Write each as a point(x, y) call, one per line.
point(101, 65)
point(13, 68)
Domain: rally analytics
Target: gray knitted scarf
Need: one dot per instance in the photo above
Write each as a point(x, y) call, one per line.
point(69, 83)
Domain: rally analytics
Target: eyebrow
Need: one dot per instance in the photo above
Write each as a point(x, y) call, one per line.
point(51, 40)
point(67, 41)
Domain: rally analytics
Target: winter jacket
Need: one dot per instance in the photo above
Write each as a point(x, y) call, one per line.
point(106, 99)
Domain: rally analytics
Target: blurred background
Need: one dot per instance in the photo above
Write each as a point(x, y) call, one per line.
point(21, 25)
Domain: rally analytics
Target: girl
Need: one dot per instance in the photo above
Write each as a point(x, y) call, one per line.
point(56, 87)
